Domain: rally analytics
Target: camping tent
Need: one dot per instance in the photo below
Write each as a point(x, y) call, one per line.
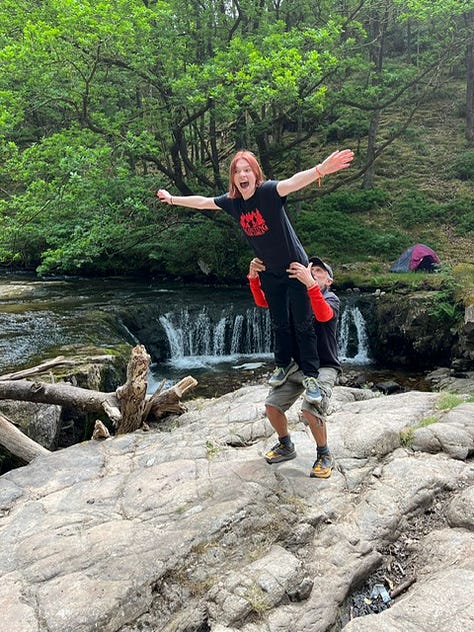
point(417, 257)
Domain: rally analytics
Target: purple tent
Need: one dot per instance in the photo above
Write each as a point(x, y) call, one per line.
point(417, 257)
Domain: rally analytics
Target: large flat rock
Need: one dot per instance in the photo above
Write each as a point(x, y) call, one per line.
point(186, 527)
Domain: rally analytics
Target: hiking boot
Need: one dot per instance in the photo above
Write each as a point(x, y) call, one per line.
point(280, 453)
point(323, 466)
point(281, 373)
point(312, 393)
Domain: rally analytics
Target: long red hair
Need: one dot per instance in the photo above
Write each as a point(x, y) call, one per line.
point(247, 155)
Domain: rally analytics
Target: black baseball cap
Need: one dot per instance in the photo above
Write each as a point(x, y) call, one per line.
point(316, 261)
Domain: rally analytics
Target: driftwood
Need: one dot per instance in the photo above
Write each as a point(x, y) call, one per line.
point(62, 394)
point(100, 430)
point(18, 443)
point(49, 364)
point(132, 394)
point(162, 403)
point(128, 408)
point(44, 366)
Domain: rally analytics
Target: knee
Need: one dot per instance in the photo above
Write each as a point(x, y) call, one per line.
point(272, 412)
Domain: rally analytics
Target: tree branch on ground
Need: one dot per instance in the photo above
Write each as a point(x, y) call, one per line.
point(128, 408)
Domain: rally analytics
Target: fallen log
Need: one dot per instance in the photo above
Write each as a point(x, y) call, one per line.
point(34, 370)
point(49, 364)
point(62, 394)
point(18, 443)
point(128, 408)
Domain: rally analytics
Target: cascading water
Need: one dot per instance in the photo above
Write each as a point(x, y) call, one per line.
point(195, 338)
point(353, 344)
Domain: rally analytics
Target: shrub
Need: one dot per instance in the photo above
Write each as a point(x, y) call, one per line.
point(463, 167)
point(333, 234)
point(460, 213)
point(414, 208)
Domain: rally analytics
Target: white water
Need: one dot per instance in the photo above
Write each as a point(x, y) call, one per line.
point(196, 341)
point(352, 330)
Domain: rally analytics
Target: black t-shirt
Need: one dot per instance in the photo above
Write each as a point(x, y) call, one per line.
point(266, 226)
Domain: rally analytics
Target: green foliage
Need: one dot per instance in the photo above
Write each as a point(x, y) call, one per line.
point(463, 166)
point(406, 437)
point(339, 227)
point(407, 434)
point(350, 201)
point(413, 208)
point(199, 246)
point(448, 401)
point(102, 103)
point(459, 213)
point(447, 309)
point(428, 421)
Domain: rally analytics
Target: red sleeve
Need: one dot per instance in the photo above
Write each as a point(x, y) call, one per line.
point(257, 292)
point(321, 309)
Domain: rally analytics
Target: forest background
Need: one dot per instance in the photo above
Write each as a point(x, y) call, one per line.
point(104, 102)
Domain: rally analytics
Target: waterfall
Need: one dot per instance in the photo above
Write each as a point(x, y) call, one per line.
point(195, 336)
point(198, 335)
point(353, 344)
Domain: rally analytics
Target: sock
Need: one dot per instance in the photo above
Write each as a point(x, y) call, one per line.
point(286, 441)
point(323, 450)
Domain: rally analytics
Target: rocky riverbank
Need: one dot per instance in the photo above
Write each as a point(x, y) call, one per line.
point(187, 528)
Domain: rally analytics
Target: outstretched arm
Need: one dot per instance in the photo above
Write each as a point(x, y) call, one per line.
point(190, 201)
point(335, 162)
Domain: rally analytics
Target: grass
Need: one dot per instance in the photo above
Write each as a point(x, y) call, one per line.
point(212, 450)
point(258, 599)
point(446, 401)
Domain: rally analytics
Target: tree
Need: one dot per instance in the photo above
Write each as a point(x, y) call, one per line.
point(456, 20)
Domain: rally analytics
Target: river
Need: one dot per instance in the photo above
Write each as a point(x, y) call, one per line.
point(214, 333)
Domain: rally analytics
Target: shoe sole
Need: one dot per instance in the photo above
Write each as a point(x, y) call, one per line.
point(280, 459)
point(325, 475)
point(292, 370)
point(313, 400)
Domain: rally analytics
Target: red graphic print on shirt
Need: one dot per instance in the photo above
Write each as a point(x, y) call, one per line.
point(253, 224)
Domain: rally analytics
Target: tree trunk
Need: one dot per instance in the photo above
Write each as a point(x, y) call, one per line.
point(132, 394)
point(18, 443)
point(469, 17)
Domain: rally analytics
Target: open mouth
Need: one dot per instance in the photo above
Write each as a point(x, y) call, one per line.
point(244, 185)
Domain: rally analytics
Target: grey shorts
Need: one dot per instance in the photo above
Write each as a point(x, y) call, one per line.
point(284, 396)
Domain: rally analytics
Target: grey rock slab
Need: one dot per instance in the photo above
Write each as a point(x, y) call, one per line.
point(461, 509)
point(188, 525)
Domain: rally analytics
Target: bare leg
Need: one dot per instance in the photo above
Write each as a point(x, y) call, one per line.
point(324, 463)
point(278, 420)
point(317, 427)
point(284, 450)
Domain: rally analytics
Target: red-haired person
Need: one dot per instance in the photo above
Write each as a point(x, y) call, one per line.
point(258, 206)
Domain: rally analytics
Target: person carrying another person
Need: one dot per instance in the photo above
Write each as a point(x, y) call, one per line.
point(258, 206)
point(316, 278)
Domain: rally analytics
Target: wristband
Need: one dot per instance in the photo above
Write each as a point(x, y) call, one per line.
point(319, 174)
